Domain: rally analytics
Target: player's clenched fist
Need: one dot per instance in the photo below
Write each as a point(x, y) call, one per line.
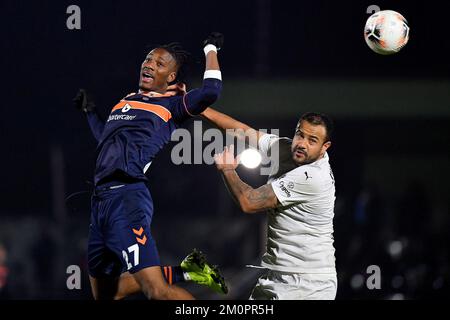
point(178, 88)
point(83, 101)
point(216, 39)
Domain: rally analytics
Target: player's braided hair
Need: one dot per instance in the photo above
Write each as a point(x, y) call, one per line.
point(180, 55)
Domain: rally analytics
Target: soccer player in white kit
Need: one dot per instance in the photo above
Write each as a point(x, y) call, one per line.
point(299, 198)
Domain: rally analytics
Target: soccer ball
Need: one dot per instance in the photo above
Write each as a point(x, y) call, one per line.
point(386, 32)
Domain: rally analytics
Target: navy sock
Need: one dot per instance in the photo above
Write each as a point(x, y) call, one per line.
point(173, 274)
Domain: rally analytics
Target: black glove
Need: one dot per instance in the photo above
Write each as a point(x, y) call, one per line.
point(215, 38)
point(83, 101)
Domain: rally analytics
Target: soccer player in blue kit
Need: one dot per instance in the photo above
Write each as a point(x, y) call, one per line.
point(122, 254)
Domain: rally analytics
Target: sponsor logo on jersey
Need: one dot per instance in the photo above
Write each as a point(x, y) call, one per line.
point(160, 111)
point(284, 189)
point(307, 177)
point(126, 108)
point(114, 117)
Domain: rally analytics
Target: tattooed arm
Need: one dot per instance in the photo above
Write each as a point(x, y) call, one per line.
point(250, 200)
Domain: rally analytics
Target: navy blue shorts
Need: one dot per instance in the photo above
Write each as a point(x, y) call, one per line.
point(119, 233)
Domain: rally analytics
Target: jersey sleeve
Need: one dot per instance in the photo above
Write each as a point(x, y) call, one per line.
point(265, 141)
point(96, 124)
point(297, 186)
point(197, 100)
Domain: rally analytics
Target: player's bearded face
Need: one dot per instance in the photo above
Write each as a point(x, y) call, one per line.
point(308, 143)
point(157, 71)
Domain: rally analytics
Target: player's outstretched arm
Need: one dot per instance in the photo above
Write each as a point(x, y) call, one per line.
point(232, 126)
point(197, 100)
point(211, 45)
point(249, 199)
point(84, 102)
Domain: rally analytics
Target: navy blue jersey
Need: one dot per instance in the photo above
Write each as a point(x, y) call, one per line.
point(140, 125)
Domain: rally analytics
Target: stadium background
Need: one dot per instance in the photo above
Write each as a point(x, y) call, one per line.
point(281, 58)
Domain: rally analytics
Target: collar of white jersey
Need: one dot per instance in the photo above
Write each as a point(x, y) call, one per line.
point(324, 159)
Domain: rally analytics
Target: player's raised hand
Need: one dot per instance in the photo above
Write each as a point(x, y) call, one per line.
point(216, 39)
point(83, 101)
point(178, 88)
point(226, 159)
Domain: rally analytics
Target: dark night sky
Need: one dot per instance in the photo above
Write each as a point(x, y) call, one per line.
point(44, 63)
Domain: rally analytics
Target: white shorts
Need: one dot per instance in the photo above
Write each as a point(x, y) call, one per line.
point(276, 285)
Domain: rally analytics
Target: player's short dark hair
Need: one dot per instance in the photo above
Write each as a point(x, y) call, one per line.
point(180, 55)
point(319, 119)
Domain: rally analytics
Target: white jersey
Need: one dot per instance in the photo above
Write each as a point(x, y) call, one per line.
point(300, 230)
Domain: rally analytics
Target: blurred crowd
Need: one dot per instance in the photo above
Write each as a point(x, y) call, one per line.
point(406, 238)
